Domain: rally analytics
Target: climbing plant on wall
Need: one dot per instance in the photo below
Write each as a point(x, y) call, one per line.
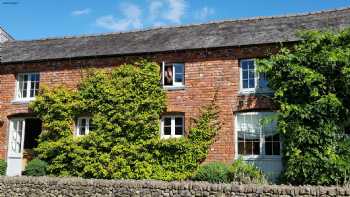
point(125, 104)
point(311, 82)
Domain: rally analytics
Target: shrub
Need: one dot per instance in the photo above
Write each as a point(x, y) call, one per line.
point(243, 172)
point(36, 167)
point(215, 172)
point(311, 82)
point(3, 166)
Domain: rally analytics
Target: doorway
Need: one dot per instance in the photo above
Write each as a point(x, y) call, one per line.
point(23, 135)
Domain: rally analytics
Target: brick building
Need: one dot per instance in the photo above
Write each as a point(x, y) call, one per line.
point(197, 62)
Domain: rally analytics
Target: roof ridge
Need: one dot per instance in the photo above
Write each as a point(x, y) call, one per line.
point(187, 25)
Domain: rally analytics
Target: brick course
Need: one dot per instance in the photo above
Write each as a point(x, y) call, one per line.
point(207, 71)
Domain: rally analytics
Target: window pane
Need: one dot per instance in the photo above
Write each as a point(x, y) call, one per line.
point(241, 147)
point(251, 64)
point(245, 74)
point(20, 90)
point(276, 137)
point(252, 147)
point(178, 126)
point(32, 93)
point(178, 130)
point(32, 89)
point(24, 90)
point(245, 83)
point(276, 148)
point(251, 83)
point(178, 77)
point(36, 89)
point(244, 64)
point(83, 122)
point(167, 130)
point(179, 72)
point(268, 148)
point(256, 148)
point(251, 74)
point(33, 77)
point(167, 121)
point(82, 130)
point(248, 148)
point(178, 121)
point(268, 138)
point(179, 68)
point(37, 77)
point(168, 75)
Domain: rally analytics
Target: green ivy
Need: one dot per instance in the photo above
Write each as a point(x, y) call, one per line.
point(312, 89)
point(125, 104)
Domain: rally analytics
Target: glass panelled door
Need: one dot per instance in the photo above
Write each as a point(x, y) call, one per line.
point(15, 147)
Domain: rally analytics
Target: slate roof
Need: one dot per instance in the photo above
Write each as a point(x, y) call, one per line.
point(241, 32)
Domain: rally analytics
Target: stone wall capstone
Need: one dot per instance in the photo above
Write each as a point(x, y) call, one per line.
point(51, 186)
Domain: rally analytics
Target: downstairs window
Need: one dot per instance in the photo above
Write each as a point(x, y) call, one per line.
point(172, 126)
point(83, 126)
point(255, 138)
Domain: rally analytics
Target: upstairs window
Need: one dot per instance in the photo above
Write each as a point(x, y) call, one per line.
point(250, 80)
point(83, 126)
point(172, 126)
point(27, 86)
point(173, 75)
point(255, 138)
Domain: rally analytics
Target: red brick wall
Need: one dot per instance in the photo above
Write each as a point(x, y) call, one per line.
point(206, 72)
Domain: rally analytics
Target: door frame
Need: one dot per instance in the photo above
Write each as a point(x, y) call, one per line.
point(10, 153)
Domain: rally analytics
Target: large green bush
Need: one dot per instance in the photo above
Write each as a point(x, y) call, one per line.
point(243, 172)
point(215, 172)
point(312, 90)
point(3, 166)
point(125, 104)
point(36, 167)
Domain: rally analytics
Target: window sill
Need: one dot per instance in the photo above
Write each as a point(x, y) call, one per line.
point(170, 88)
point(22, 101)
point(166, 137)
point(259, 157)
point(255, 93)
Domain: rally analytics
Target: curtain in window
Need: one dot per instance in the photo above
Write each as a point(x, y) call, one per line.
point(168, 75)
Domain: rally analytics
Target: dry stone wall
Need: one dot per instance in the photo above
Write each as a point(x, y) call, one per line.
point(50, 186)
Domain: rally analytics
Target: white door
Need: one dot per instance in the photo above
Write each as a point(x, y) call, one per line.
point(15, 147)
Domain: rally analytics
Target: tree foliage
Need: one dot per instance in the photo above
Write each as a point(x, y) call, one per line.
point(312, 89)
point(125, 104)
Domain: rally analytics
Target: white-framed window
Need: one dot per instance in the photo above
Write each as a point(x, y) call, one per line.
point(173, 75)
point(83, 126)
point(27, 86)
point(172, 126)
point(255, 139)
point(250, 80)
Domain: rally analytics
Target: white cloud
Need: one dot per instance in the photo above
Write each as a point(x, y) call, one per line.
point(81, 12)
point(157, 13)
point(131, 19)
point(204, 13)
point(176, 10)
point(155, 9)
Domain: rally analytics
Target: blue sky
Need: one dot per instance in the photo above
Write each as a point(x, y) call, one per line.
point(32, 19)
